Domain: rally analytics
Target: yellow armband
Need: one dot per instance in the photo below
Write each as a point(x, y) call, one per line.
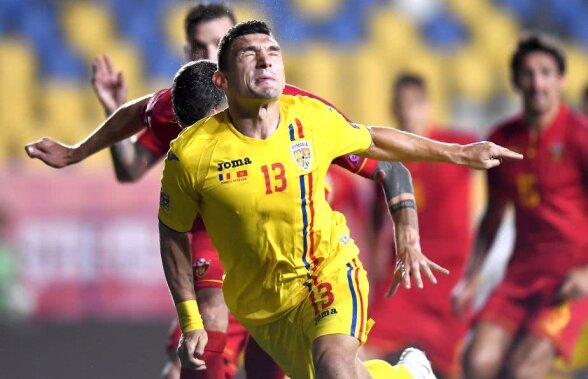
point(189, 316)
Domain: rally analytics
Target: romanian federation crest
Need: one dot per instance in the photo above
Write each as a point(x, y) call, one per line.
point(302, 154)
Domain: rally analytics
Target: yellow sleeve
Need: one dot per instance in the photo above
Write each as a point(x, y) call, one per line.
point(178, 199)
point(345, 137)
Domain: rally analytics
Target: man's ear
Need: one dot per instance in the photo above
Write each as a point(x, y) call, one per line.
point(220, 80)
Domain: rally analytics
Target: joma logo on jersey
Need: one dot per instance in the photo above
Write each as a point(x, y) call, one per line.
point(233, 163)
point(323, 314)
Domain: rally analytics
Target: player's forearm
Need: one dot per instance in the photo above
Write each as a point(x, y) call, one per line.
point(123, 123)
point(177, 263)
point(395, 145)
point(131, 160)
point(396, 182)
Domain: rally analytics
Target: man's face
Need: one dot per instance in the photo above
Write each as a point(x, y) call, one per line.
point(411, 108)
point(203, 43)
point(256, 68)
point(540, 82)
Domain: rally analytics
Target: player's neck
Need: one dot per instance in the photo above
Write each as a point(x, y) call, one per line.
point(541, 121)
point(255, 119)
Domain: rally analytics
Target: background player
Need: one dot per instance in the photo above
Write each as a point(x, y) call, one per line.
point(535, 313)
point(444, 197)
point(205, 25)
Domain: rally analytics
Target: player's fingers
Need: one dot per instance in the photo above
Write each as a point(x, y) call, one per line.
point(416, 272)
point(200, 345)
point(435, 267)
point(108, 64)
point(396, 280)
point(406, 278)
point(429, 274)
point(505, 153)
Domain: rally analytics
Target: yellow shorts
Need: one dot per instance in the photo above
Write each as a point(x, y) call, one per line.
point(336, 304)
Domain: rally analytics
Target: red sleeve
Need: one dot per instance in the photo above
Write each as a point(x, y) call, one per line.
point(161, 122)
point(353, 163)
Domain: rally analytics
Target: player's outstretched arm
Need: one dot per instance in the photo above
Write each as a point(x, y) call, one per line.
point(467, 287)
point(125, 122)
point(394, 145)
point(177, 266)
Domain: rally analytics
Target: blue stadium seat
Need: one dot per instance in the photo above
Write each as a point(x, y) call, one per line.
point(523, 10)
point(565, 11)
point(163, 65)
point(60, 62)
point(444, 32)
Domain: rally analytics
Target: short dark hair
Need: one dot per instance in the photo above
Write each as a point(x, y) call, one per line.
point(205, 12)
point(409, 79)
point(239, 30)
point(532, 42)
point(194, 94)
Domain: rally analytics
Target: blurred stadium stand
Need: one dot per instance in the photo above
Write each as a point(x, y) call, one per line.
point(461, 46)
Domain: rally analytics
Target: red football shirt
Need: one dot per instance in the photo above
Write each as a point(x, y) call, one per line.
point(549, 190)
point(443, 194)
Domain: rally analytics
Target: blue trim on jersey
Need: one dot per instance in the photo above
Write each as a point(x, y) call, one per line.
point(354, 297)
point(291, 129)
point(304, 222)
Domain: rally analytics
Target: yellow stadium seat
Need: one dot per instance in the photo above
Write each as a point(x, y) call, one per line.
point(88, 27)
point(17, 92)
point(470, 11)
point(472, 76)
point(432, 67)
point(576, 73)
point(63, 112)
point(248, 12)
point(496, 35)
point(318, 74)
point(392, 36)
point(173, 25)
point(366, 83)
point(318, 10)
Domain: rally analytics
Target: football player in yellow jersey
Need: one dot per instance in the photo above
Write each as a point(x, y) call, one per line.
point(255, 173)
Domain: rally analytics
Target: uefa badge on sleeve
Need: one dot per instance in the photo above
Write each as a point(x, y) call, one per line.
point(302, 154)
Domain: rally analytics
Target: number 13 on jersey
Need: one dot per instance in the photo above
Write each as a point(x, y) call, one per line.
point(275, 178)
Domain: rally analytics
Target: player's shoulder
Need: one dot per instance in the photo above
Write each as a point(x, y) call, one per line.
point(303, 103)
point(194, 138)
point(160, 101)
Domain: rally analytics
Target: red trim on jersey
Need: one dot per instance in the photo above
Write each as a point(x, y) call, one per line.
point(311, 227)
point(360, 299)
point(300, 129)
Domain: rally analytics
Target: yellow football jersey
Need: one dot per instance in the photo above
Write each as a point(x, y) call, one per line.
point(263, 201)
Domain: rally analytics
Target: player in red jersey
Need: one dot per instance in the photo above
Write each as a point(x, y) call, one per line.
point(443, 196)
point(205, 25)
point(536, 312)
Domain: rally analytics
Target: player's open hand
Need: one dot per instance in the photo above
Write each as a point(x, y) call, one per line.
point(410, 264)
point(109, 85)
point(51, 152)
point(485, 155)
point(192, 346)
